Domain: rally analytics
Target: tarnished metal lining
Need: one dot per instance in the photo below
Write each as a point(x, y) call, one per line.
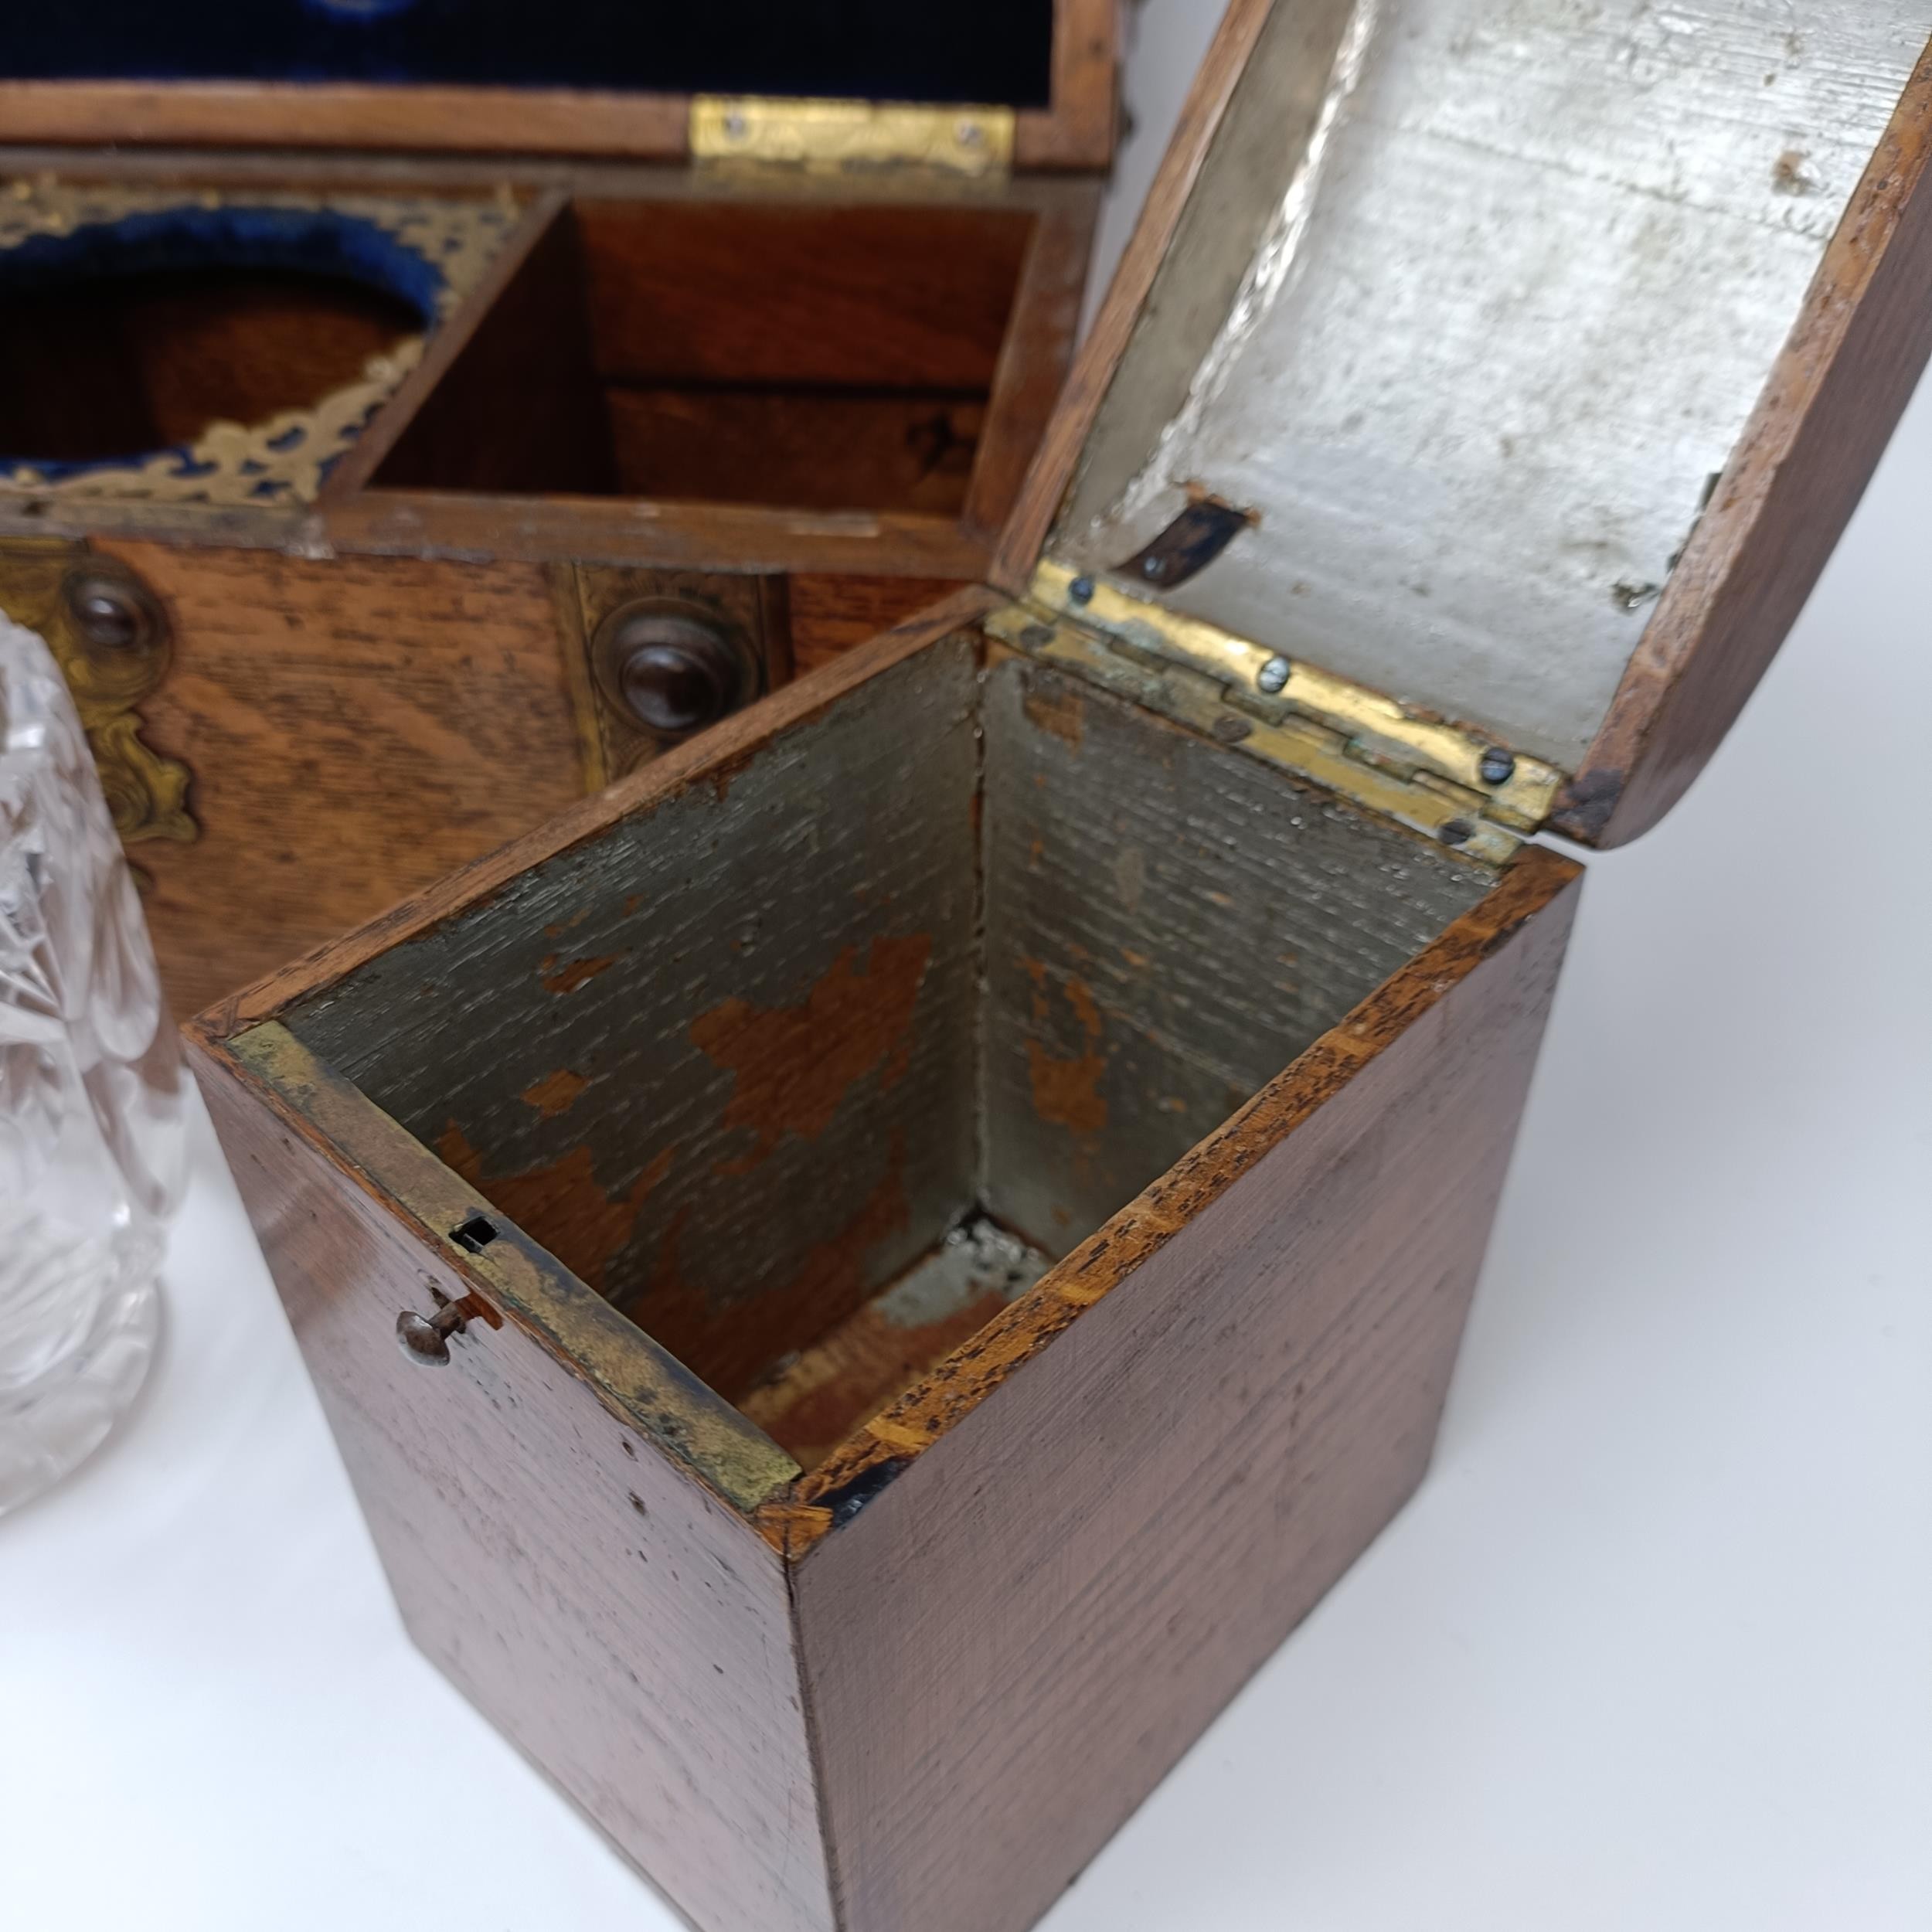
point(972, 938)
point(1167, 927)
point(1511, 274)
point(719, 1060)
point(633, 1376)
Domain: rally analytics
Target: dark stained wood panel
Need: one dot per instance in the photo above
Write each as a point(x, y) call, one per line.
point(876, 295)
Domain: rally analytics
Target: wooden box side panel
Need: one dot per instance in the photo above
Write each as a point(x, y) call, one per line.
point(355, 727)
point(625, 1629)
point(1006, 1647)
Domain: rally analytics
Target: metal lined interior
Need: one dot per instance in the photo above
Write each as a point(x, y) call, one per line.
point(1469, 306)
point(811, 1067)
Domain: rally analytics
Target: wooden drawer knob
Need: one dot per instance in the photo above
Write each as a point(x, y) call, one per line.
point(675, 672)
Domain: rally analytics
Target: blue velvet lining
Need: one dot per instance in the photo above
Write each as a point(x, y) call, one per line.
point(990, 50)
point(319, 241)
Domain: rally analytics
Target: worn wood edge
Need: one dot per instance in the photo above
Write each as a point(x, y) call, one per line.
point(1040, 341)
point(1079, 126)
point(713, 757)
point(1098, 360)
point(348, 114)
point(489, 527)
point(874, 1455)
point(642, 1386)
point(445, 343)
point(1710, 638)
point(376, 171)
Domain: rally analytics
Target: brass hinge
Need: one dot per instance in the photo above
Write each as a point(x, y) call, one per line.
point(833, 136)
point(1438, 779)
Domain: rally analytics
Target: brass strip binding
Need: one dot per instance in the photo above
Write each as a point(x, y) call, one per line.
point(833, 136)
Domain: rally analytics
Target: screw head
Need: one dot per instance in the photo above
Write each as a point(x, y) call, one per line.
point(1081, 591)
point(1496, 766)
point(1273, 677)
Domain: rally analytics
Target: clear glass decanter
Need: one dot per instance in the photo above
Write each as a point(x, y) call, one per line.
point(92, 1093)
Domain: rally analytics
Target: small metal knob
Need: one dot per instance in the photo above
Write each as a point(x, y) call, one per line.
point(677, 673)
point(110, 613)
point(425, 1339)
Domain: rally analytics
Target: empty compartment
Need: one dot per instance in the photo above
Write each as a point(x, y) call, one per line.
point(223, 350)
point(810, 1067)
point(805, 354)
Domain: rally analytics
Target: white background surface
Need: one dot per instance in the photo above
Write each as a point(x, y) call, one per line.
point(1647, 1652)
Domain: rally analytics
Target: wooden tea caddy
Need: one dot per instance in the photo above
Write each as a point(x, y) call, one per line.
point(927, 1228)
point(472, 479)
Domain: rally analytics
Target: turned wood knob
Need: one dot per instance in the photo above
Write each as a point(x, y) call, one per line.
point(425, 1338)
point(111, 612)
point(675, 672)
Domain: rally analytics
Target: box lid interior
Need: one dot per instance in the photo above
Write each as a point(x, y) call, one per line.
point(193, 65)
point(1465, 311)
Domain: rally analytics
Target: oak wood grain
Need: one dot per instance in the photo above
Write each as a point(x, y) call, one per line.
point(833, 613)
point(1021, 1620)
point(697, 536)
point(607, 1611)
point(1100, 354)
point(355, 728)
point(1838, 387)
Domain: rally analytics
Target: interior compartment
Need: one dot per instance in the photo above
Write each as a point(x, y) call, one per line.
point(120, 364)
point(806, 355)
point(809, 1069)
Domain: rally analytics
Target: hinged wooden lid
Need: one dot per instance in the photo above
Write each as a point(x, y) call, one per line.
point(1522, 364)
point(570, 77)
